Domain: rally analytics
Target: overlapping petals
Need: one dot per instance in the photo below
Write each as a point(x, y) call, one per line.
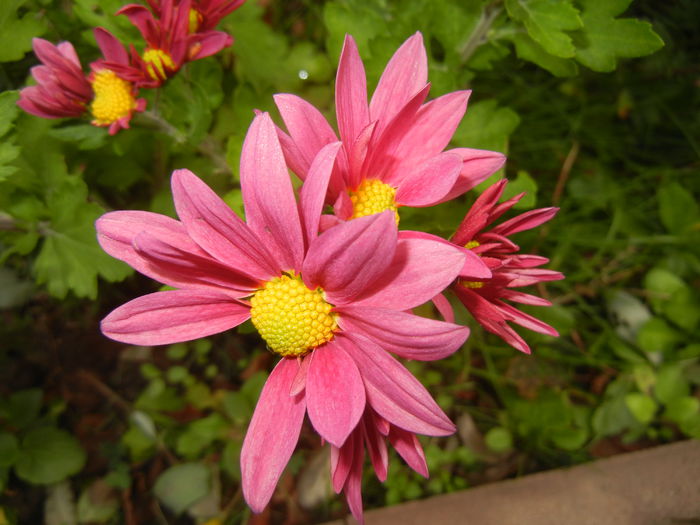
point(395, 138)
point(369, 276)
point(484, 298)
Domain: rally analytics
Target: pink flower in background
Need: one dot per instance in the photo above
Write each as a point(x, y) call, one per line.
point(169, 41)
point(62, 89)
point(204, 14)
point(347, 462)
point(332, 305)
point(393, 147)
point(485, 298)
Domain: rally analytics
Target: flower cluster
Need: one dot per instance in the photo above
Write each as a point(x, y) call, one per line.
point(332, 294)
point(175, 32)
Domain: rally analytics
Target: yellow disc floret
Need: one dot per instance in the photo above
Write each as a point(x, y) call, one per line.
point(373, 196)
point(158, 63)
point(472, 244)
point(471, 284)
point(195, 20)
point(113, 98)
point(291, 318)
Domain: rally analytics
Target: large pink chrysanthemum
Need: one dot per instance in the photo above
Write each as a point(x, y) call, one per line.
point(62, 89)
point(485, 298)
point(393, 147)
point(333, 305)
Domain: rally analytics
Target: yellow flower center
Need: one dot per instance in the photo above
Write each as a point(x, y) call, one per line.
point(291, 318)
point(471, 284)
point(158, 63)
point(113, 98)
point(195, 20)
point(472, 244)
point(373, 196)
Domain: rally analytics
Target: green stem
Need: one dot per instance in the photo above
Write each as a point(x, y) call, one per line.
point(478, 36)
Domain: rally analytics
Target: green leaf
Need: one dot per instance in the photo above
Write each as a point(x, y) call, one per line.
point(522, 183)
point(16, 32)
point(682, 409)
point(23, 407)
point(604, 38)
point(527, 49)
point(546, 22)
point(671, 384)
point(200, 434)
point(642, 406)
point(183, 485)
point(86, 136)
point(656, 335)
point(678, 209)
point(8, 110)
point(499, 439)
point(9, 449)
point(569, 438)
point(71, 259)
point(97, 503)
point(231, 458)
point(49, 455)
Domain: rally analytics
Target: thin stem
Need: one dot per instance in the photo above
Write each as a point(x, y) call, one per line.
point(478, 36)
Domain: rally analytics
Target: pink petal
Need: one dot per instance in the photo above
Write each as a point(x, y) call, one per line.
point(444, 307)
point(420, 269)
point(409, 448)
point(346, 259)
point(431, 128)
point(313, 191)
point(272, 435)
point(208, 44)
point(179, 265)
point(525, 221)
point(217, 229)
point(524, 298)
point(299, 383)
point(68, 51)
point(351, 93)
point(478, 165)
point(356, 157)
point(292, 154)
point(404, 334)
point(268, 195)
point(528, 321)
point(393, 392)
point(335, 395)
point(430, 181)
point(353, 483)
point(404, 75)
point(307, 127)
point(169, 317)
point(112, 49)
point(341, 461)
point(376, 446)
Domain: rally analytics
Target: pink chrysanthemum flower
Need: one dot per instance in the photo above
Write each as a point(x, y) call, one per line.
point(332, 305)
point(393, 147)
point(169, 41)
point(204, 14)
point(485, 298)
point(347, 462)
point(62, 89)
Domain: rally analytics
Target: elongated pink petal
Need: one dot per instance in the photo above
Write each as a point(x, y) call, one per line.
point(525, 221)
point(404, 334)
point(268, 195)
point(351, 93)
point(393, 392)
point(341, 462)
point(404, 75)
point(431, 128)
point(420, 269)
point(272, 435)
point(524, 298)
point(429, 182)
point(170, 317)
point(528, 321)
point(292, 154)
point(444, 307)
point(335, 395)
point(299, 383)
point(478, 165)
point(178, 265)
point(376, 447)
point(346, 259)
point(217, 229)
point(143, 20)
point(307, 127)
point(356, 157)
point(313, 191)
point(353, 483)
point(409, 448)
point(112, 49)
point(209, 43)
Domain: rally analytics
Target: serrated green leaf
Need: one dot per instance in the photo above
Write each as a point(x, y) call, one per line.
point(8, 110)
point(546, 22)
point(363, 20)
point(522, 183)
point(71, 259)
point(604, 38)
point(49, 455)
point(486, 126)
point(527, 49)
point(181, 486)
point(16, 33)
point(86, 136)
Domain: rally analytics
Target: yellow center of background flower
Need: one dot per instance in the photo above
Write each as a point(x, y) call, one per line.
point(195, 18)
point(113, 98)
point(158, 63)
point(373, 196)
point(472, 244)
point(291, 318)
point(471, 284)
